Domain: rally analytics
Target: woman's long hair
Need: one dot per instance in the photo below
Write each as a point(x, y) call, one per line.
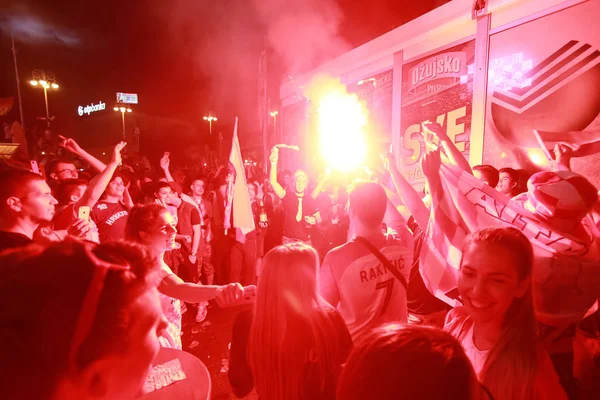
point(287, 306)
point(510, 368)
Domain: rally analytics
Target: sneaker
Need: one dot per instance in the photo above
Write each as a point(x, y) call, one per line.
point(202, 312)
point(224, 365)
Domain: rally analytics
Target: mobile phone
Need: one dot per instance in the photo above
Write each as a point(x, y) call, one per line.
point(34, 166)
point(84, 213)
point(249, 297)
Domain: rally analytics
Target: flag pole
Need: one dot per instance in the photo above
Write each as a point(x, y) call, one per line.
point(14, 51)
point(265, 118)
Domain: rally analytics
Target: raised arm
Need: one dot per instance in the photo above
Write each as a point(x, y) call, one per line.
point(73, 147)
point(454, 155)
point(407, 193)
point(430, 164)
point(98, 184)
point(165, 162)
point(274, 157)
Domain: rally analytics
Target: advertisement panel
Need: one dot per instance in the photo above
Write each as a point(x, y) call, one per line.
point(544, 75)
point(376, 92)
point(436, 88)
point(127, 98)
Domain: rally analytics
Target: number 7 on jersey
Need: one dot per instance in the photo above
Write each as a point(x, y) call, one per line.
point(389, 287)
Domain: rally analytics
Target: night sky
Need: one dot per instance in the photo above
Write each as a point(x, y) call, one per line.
point(183, 58)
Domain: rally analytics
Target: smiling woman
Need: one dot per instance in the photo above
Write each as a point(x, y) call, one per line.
point(153, 226)
point(497, 324)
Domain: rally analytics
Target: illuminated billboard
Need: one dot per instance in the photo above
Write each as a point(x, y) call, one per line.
point(127, 98)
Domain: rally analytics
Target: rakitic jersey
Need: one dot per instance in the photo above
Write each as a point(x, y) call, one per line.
point(368, 294)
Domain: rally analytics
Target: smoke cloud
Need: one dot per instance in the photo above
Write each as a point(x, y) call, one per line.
point(224, 40)
point(32, 29)
point(305, 33)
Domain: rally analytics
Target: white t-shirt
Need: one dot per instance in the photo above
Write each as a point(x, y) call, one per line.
point(172, 310)
point(364, 292)
point(476, 356)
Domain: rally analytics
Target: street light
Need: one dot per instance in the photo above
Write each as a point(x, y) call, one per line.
point(210, 119)
point(123, 110)
point(46, 81)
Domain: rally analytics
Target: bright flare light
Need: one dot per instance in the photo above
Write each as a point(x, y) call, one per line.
point(342, 119)
point(54, 86)
point(34, 83)
point(537, 157)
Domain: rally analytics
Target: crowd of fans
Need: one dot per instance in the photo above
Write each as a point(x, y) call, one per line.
point(99, 264)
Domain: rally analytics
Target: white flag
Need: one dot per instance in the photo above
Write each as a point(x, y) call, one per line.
point(242, 208)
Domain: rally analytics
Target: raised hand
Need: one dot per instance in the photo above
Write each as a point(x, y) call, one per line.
point(274, 156)
point(389, 161)
point(116, 156)
point(563, 152)
point(80, 228)
point(69, 144)
point(434, 130)
point(165, 162)
point(430, 164)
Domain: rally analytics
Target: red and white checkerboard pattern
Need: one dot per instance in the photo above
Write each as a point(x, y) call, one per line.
point(566, 272)
point(509, 72)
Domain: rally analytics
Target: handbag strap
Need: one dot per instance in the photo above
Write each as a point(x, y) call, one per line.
point(386, 263)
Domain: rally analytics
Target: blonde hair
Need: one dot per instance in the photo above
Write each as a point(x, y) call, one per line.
point(510, 368)
point(287, 303)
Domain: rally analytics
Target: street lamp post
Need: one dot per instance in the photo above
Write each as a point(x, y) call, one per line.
point(274, 115)
point(46, 81)
point(123, 110)
point(210, 119)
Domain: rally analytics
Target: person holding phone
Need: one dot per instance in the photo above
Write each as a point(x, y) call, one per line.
point(76, 197)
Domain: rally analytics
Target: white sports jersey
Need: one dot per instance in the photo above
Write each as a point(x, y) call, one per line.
point(365, 292)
